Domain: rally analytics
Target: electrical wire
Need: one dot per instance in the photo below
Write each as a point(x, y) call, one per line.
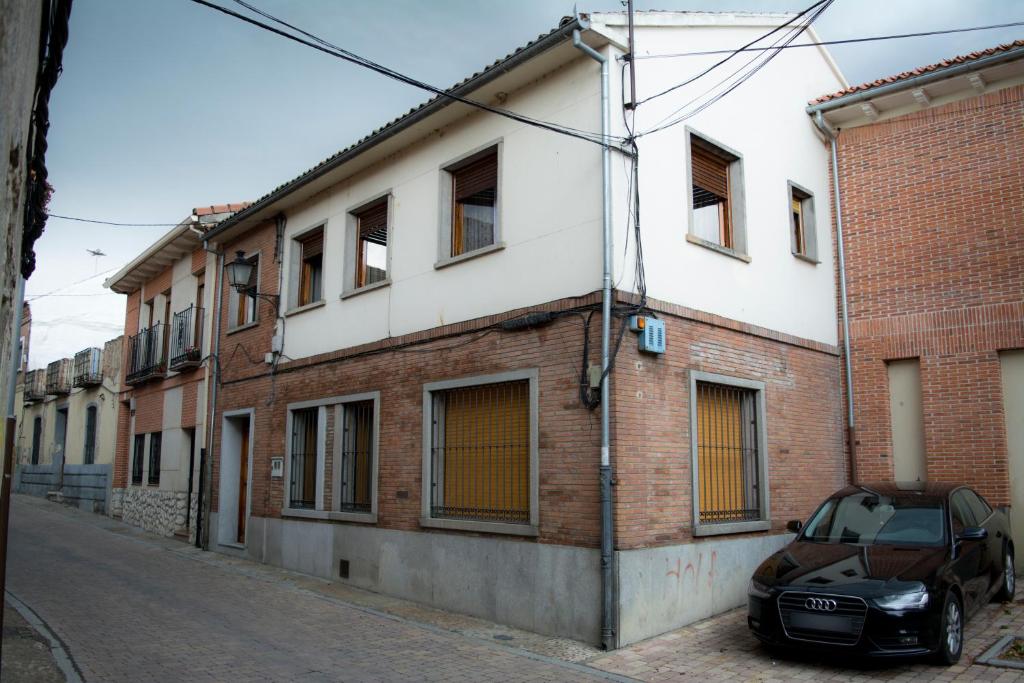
point(52, 292)
point(732, 53)
point(125, 225)
point(323, 46)
point(845, 41)
point(746, 75)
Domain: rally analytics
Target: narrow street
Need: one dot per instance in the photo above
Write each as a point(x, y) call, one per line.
point(133, 607)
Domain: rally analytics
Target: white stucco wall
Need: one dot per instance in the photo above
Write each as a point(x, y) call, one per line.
point(764, 121)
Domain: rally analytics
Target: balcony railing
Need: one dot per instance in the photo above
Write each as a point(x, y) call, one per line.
point(146, 358)
point(88, 368)
point(187, 338)
point(35, 386)
point(58, 377)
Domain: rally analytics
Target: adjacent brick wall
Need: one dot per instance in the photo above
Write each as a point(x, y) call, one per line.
point(933, 208)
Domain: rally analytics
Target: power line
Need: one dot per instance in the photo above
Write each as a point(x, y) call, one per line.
point(794, 33)
point(124, 225)
point(844, 41)
point(732, 53)
point(339, 53)
point(52, 292)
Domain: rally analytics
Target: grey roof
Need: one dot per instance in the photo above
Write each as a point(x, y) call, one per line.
point(467, 85)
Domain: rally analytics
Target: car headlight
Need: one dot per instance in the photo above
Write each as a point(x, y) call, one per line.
point(916, 598)
point(758, 589)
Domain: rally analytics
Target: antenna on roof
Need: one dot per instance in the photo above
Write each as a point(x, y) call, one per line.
point(96, 254)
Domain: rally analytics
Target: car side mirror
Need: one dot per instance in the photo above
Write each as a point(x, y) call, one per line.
point(794, 525)
point(973, 533)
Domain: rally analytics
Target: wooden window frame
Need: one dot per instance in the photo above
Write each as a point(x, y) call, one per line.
point(426, 520)
point(240, 303)
point(328, 509)
point(446, 204)
point(353, 245)
point(302, 280)
point(764, 523)
point(733, 220)
point(804, 247)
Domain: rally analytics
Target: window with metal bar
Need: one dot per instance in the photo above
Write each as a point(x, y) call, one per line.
point(303, 466)
point(154, 459)
point(137, 455)
point(356, 465)
point(728, 465)
point(480, 452)
point(89, 453)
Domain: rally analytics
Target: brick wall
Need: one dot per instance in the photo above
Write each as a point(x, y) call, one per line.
point(933, 204)
point(650, 407)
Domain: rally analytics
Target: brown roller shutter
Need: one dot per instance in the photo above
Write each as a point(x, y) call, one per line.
point(710, 172)
point(313, 245)
point(373, 223)
point(477, 176)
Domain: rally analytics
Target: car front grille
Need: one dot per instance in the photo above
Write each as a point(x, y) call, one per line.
point(840, 626)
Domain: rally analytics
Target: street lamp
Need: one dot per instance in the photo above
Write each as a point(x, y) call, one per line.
point(239, 273)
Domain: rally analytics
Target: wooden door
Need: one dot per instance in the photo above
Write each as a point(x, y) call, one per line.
point(243, 481)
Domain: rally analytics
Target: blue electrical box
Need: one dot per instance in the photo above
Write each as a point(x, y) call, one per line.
point(652, 336)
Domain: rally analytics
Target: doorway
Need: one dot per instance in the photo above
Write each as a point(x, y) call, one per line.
point(235, 477)
point(907, 415)
point(60, 433)
point(1011, 364)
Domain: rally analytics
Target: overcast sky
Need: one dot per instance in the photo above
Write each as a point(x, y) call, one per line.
point(165, 105)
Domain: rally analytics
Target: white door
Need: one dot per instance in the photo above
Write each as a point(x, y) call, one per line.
point(908, 457)
point(1012, 365)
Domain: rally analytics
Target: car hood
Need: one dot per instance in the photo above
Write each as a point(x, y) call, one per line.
point(820, 566)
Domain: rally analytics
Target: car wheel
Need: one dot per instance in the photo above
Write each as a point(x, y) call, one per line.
point(1006, 591)
point(951, 631)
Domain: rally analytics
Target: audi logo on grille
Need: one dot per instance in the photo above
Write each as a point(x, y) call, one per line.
point(820, 604)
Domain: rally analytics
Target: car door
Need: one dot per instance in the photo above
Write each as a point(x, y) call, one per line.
point(992, 562)
point(968, 554)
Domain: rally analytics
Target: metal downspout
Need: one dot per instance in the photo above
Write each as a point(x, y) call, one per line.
point(819, 121)
point(607, 531)
point(213, 366)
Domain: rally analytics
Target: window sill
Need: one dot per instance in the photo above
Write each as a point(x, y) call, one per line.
point(808, 259)
point(361, 517)
point(452, 260)
point(365, 288)
point(730, 528)
point(482, 527)
point(247, 326)
point(305, 307)
point(717, 248)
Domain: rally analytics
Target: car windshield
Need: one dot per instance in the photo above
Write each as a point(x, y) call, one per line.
point(871, 519)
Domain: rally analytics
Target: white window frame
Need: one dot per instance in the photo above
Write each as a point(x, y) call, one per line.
point(737, 200)
point(295, 268)
point(235, 298)
point(763, 524)
point(328, 509)
point(426, 520)
point(352, 245)
point(444, 246)
point(810, 253)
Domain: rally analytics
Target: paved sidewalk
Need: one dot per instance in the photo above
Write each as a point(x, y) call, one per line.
point(133, 607)
point(26, 653)
point(722, 649)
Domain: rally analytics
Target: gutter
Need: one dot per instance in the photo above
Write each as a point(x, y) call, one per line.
point(917, 81)
point(433, 106)
point(830, 135)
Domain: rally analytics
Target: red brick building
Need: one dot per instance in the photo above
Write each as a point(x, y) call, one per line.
point(931, 178)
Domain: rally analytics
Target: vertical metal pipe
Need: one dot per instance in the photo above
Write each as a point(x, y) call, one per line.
point(819, 120)
point(212, 375)
point(607, 532)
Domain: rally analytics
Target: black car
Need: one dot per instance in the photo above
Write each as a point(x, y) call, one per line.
point(885, 569)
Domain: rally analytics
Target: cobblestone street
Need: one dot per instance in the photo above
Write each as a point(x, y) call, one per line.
point(133, 607)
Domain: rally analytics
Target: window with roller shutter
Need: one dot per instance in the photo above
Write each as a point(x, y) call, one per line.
point(470, 206)
point(716, 196)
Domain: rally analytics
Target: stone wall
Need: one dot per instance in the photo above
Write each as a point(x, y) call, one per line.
point(116, 502)
point(162, 512)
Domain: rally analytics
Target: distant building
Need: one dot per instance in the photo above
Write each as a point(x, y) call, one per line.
point(931, 177)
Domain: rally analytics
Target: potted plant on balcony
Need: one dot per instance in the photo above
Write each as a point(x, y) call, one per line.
point(193, 354)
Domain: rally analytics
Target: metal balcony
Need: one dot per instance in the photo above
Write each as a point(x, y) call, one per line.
point(58, 377)
point(88, 370)
point(187, 339)
point(146, 358)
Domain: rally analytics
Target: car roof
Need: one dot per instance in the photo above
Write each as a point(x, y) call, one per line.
point(896, 489)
